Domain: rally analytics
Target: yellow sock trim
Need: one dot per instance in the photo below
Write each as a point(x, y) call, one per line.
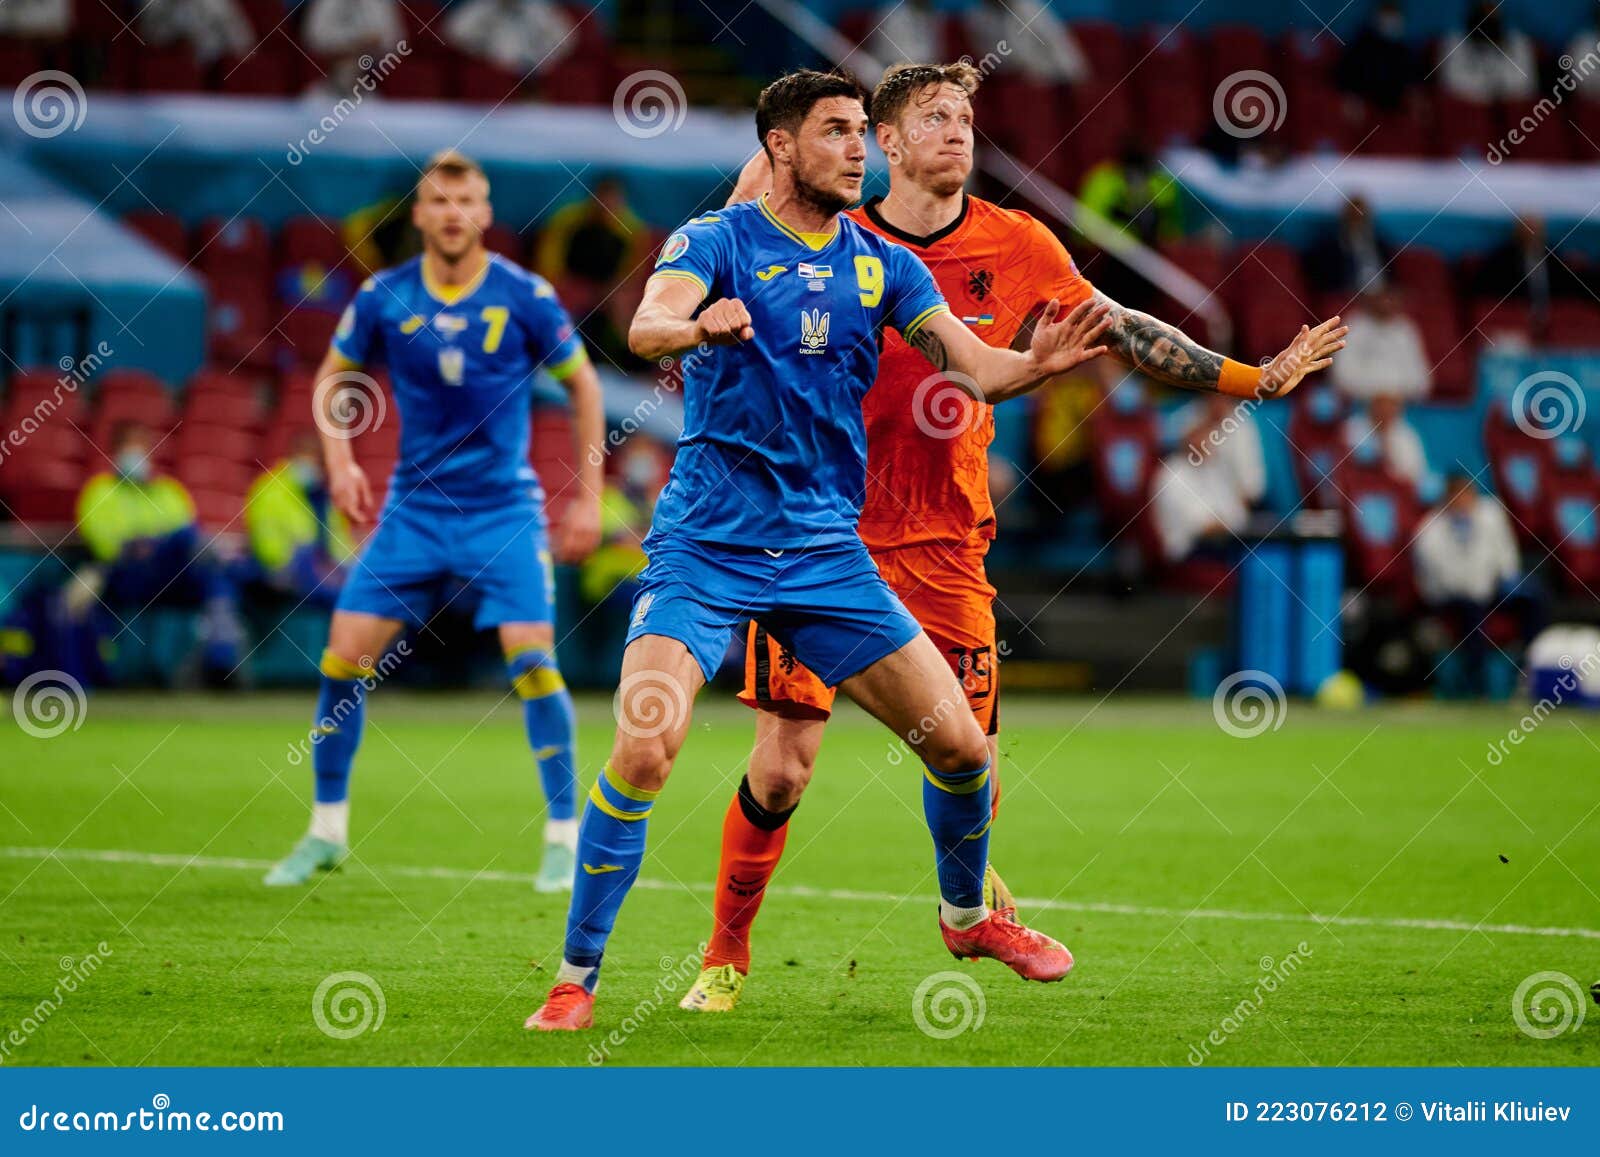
point(598, 798)
point(538, 683)
point(974, 784)
point(979, 833)
point(336, 668)
point(625, 789)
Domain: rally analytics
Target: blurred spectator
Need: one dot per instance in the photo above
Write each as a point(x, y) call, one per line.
point(1134, 193)
point(1586, 43)
point(1384, 423)
point(1060, 469)
point(1384, 355)
point(140, 529)
point(596, 253)
point(1205, 489)
point(1039, 45)
point(298, 540)
point(344, 29)
point(1349, 257)
point(518, 35)
point(213, 28)
point(1380, 64)
point(1467, 567)
point(907, 31)
point(1489, 62)
point(1525, 268)
point(36, 19)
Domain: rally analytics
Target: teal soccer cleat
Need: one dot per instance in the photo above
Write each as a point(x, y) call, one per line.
point(555, 871)
point(310, 855)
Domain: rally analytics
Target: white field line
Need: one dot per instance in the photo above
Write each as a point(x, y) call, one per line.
point(178, 860)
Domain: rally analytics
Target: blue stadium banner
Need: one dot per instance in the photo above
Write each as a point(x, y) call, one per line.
point(766, 1111)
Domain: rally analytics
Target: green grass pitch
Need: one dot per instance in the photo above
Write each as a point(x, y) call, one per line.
point(1183, 866)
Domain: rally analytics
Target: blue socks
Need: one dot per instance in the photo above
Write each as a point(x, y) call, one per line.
point(547, 711)
point(957, 809)
point(611, 842)
point(341, 712)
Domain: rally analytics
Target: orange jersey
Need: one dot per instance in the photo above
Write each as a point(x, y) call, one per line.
point(927, 438)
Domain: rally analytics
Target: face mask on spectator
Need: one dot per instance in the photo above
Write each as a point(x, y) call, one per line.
point(134, 464)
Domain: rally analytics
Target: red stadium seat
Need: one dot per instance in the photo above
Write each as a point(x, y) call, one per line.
point(1573, 325)
point(204, 472)
point(239, 322)
point(233, 248)
point(1406, 132)
point(273, 67)
point(19, 59)
point(1502, 324)
point(419, 78)
point(1311, 53)
point(196, 437)
point(1102, 42)
point(1463, 128)
point(1267, 320)
point(504, 240)
point(1233, 48)
point(1100, 117)
point(1315, 120)
point(1422, 271)
point(1381, 514)
point(589, 73)
point(163, 230)
point(1520, 466)
point(1574, 533)
point(1267, 269)
point(219, 511)
point(306, 334)
point(1317, 443)
point(169, 68)
point(307, 240)
point(1449, 347)
point(40, 394)
point(1546, 139)
point(1126, 440)
point(238, 411)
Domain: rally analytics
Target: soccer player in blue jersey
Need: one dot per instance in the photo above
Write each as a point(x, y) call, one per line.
point(463, 332)
point(787, 300)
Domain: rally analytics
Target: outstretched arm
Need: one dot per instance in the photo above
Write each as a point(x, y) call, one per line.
point(1167, 354)
point(1060, 342)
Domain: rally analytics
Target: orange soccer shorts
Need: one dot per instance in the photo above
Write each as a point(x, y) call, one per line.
point(945, 588)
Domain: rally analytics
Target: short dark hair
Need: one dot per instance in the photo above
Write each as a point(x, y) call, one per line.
point(903, 81)
point(787, 101)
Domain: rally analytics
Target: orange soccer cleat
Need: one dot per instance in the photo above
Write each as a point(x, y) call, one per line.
point(1031, 955)
point(568, 1008)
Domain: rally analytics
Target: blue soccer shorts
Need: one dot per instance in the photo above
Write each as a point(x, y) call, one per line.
point(828, 604)
point(494, 563)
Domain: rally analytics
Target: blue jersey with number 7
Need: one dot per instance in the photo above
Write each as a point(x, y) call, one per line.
point(461, 360)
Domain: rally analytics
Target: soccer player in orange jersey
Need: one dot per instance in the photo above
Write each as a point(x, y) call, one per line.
point(927, 516)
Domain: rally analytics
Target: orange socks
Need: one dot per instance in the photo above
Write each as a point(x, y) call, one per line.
point(752, 845)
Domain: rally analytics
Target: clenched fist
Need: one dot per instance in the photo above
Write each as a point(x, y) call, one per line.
point(725, 322)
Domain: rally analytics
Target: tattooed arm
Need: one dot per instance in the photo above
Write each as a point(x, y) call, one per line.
point(1167, 354)
point(1060, 341)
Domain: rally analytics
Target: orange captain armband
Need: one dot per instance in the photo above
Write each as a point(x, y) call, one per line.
point(1238, 380)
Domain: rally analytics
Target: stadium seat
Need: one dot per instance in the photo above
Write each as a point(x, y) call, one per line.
point(1266, 323)
point(1406, 132)
point(1574, 534)
point(1267, 269)
point(168, 68)
point(204, 472)
point(506, 241)
point(1315, 120)
point(40, 393)
point(1573, 325)
point(238, 411)
point(1103, 43)
point(419, 78)
point(1126, 439)
point(312, 240)
point(1550, 139)
point(1463, 128)
point(239, 321)
point(130, 396)
point(163, 230)
point(1520, 466)
point(1100, 117)
point(1232, 48)
point(19, 59)
point(306, 334)
point(200, 438)
point(481, 82)
point(219, 511)
point(273, 67)
point(589, 73)
point(1502, 324)
point(234, 249)
point(1317, 445)
point(1448, 346)
point(1381, 514)
point(1422, 271)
